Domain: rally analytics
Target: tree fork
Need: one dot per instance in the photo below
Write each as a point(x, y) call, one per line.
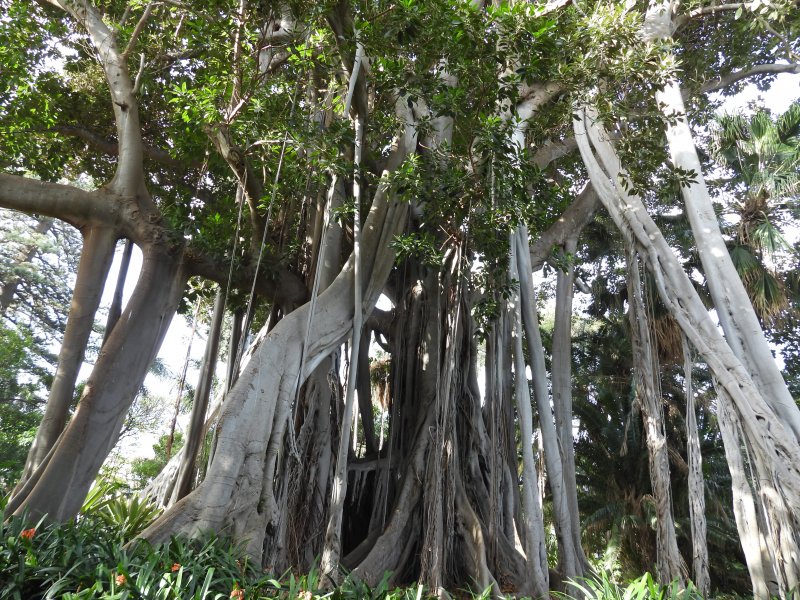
point(95, 261)
point(123, 360)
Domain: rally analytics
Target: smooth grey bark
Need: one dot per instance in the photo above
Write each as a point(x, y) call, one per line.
point(232, 370)
point(577, 215)
point(561, 373)
point(80, 208)
point(569, 554)
point(9, 288)
point(532, 519)
point(299, 498)
point(744, 509)
point(734, 309)
point(115, 310)
point(774, 449)
point(96, 257)
point(697, 501)
point(129, 174)
point(329, 563)
point(648, 391)
point(62, 482)
point(196, 431)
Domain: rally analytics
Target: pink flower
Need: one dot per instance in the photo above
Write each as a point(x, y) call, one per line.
point(120, 579)
point(305, 595)
point(28, 534)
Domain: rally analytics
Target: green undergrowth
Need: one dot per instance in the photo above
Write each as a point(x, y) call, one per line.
point(91, 557)
point(87, 559)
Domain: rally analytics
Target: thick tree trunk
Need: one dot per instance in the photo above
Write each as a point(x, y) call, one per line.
point(648, 391)
point(296, 538)
point(697, 500)
point(439, 496)
point(96, 257)
point(59, 486)
point(734, 309)
point(774, 449)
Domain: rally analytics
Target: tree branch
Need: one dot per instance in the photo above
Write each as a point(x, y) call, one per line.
point(280, 284)
point(719, 83)
point(111, 147)
point(341, 23)
point(75, 206)
point(129, 176)
point(682, 20)
point(137, 30)
point(254, 190)
point(551, 151)
point(577, 215)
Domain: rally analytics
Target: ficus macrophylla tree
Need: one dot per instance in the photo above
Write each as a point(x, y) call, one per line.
point(310, 157)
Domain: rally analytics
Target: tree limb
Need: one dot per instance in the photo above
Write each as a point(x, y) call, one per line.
point(551, 151)
point(719, 83)
point(112, 148)
point(682, 20)
point(340, 20)
point(279, 284)
point(220, 136)
point(577, 215)
point(129, 176)
point(137, 30)
point(75, 206)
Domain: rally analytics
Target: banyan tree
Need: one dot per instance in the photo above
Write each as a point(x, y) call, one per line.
point(310, 158)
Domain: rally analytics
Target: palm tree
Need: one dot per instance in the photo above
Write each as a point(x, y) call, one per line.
point(764, 156)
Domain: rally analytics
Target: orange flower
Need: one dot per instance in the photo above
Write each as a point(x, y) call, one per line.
point(237, 593)
point(28, 534)
point(120, 579)
point(176, 567)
